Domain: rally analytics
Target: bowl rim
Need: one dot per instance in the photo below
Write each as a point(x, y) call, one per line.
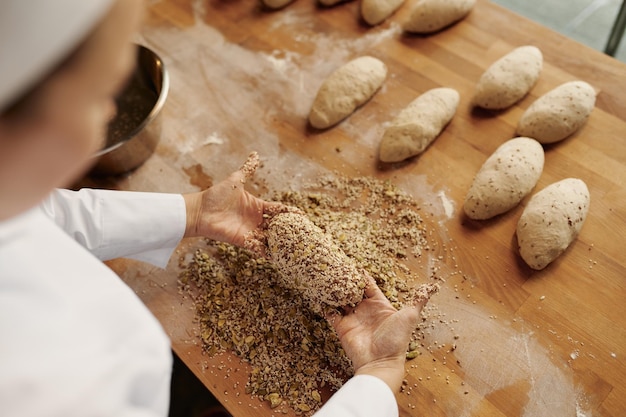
point(156, 108)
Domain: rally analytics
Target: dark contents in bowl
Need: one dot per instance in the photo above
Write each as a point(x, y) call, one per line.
point(133, 107)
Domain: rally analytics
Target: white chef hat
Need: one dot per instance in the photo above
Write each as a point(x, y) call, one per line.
point(35, 35)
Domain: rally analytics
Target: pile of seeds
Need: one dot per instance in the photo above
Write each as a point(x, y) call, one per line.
point(293, 353)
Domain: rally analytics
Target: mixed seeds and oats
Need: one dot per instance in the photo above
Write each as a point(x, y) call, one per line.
point(245, 306)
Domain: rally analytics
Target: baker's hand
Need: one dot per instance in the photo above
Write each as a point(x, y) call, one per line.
point(375, 335)
point(225, 211)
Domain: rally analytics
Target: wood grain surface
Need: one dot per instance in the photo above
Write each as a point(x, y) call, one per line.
point(529, 343)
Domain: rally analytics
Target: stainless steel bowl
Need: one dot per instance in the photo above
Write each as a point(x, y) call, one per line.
point(136, 129)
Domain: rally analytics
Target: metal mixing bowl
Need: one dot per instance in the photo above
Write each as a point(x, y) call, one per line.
point(135, 131)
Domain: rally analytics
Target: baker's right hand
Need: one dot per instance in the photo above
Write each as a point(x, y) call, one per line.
point(375, 335)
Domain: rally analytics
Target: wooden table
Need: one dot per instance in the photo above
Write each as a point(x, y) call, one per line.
point(530, 343)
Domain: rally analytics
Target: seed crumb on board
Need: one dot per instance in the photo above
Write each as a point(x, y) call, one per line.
point(294, 356)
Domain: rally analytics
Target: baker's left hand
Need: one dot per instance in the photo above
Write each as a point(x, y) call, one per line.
point(225, 211)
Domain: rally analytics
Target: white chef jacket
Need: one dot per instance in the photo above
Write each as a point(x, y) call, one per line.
point(74, 339)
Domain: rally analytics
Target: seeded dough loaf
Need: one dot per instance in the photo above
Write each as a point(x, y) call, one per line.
point(430, 16)
point(509, 79)
point(551, 221)
point(505, 178)
point(375, 11)
point(310, 262)
point(558, 113)
point(350, 86)
point(418, 124)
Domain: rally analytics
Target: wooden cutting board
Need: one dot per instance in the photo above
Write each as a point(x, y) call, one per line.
point(530, 343)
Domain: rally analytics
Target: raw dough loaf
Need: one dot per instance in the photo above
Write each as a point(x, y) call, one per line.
point(344, 90)
point(509, 79)
point(310, 262)
point(551, 221)
point(505, 178)
point(558, 113)
point(433, 15)
point(276, 4)
point(375, 11)
point(418, 124)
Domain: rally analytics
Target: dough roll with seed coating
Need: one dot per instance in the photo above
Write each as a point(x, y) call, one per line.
point(506, 177)
point(419, 124)
point(375, 11)
point(429, 16)
point(558, 113)
point(310, 262)
point(551, 221)
point(509, 79)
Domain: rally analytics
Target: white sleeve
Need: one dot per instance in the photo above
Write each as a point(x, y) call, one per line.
point(114, 224)
point(361, 396)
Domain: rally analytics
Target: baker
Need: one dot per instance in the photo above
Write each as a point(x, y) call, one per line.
point(74, 339)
